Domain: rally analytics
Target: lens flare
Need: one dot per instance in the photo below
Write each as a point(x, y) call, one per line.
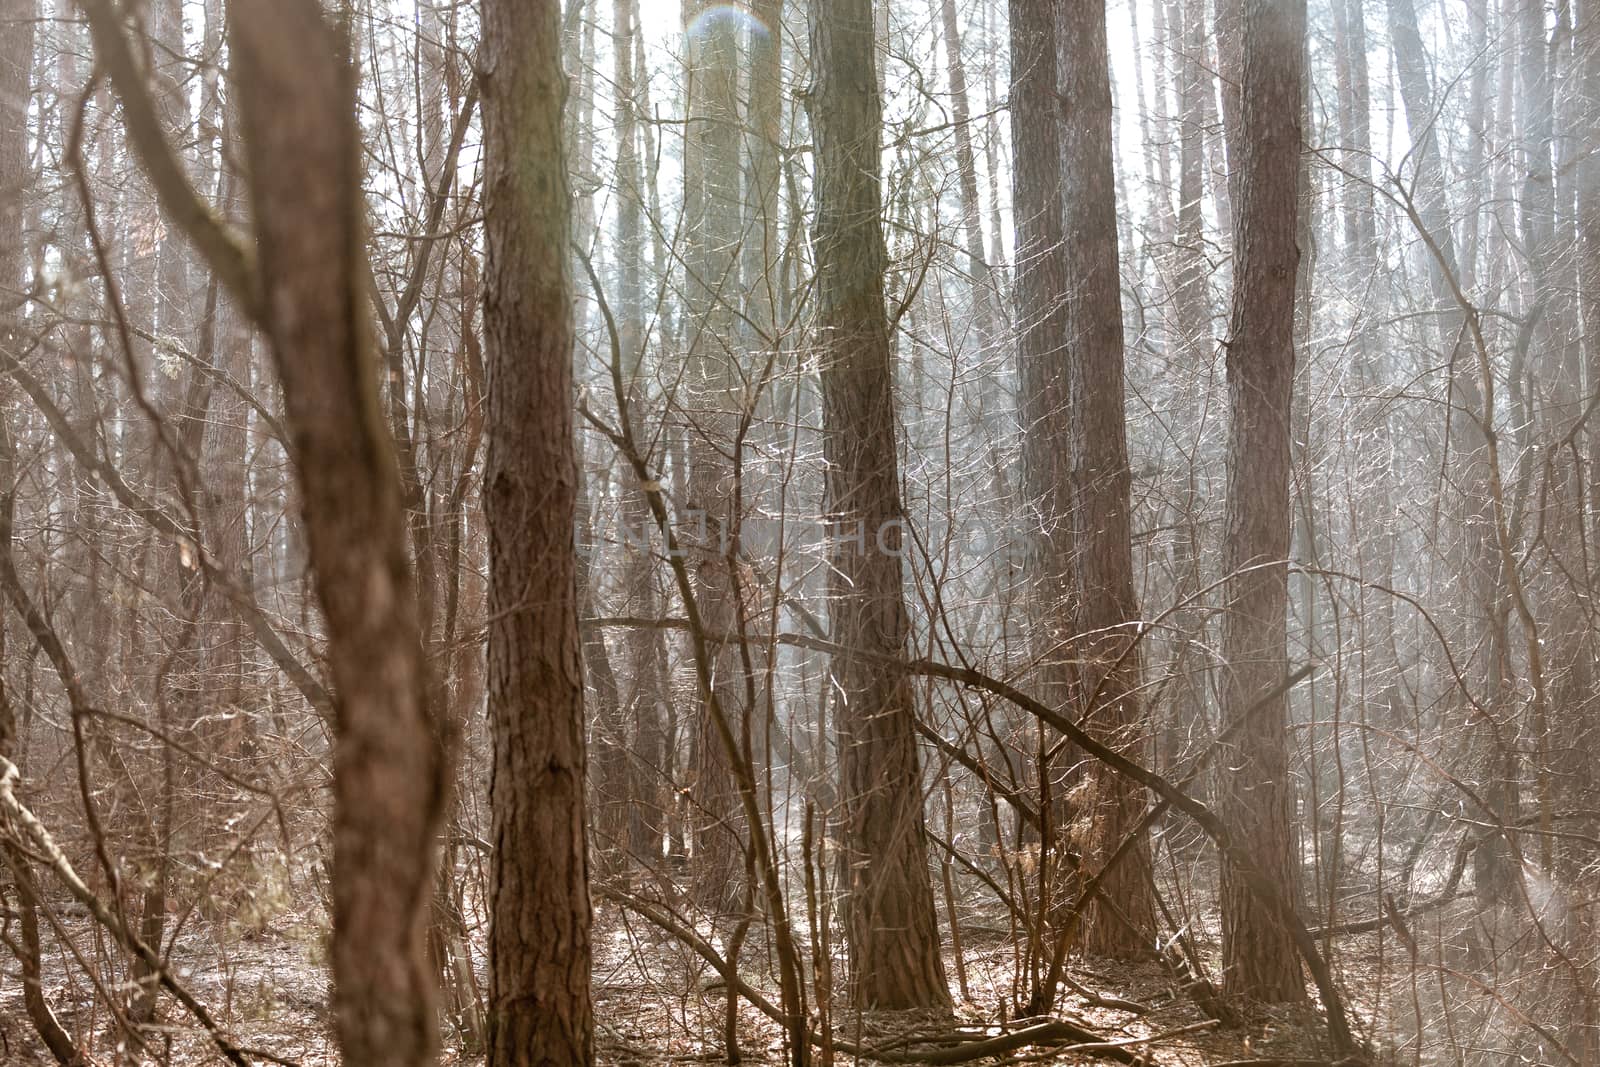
point(728, 18)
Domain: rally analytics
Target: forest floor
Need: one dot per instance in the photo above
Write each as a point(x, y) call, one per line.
point(656, 1002)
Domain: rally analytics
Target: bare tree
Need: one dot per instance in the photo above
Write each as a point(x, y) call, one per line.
point(1258, 955)
point(890, 922)
point(539, 942)
point(711, 208)
point(1107, 612)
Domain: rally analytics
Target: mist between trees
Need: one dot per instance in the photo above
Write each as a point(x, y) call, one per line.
point(928, 531)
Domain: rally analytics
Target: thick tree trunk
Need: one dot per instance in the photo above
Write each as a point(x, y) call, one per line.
point(890, 924)
point(1041, 339)
point(540, 1011)
point(1259, 957)
point(297, 104)
point(1040, 313)
point(1107, 611)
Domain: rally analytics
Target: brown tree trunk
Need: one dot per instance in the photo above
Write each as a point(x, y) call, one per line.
point(646, 647)
point(1107, 611)
point(1190, 336)
point(982, 288)
point(1040, 313)
point(297, 104)
point(1041, 337)
point(183, 397)
point(712, 225)
point(890, 924)
point(540, 1012)
point(1259, 957)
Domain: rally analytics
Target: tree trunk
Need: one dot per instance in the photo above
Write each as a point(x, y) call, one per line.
point(890, 924)
point(1192, 341)
point(297, 103)
point(540, 1011)
point(982, 288)
point(1259, 957)
point(712, 225)
point(1107, 611)
point(646, 647)
point(1040, 313)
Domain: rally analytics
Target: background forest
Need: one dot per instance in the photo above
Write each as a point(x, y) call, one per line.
point(928, 531)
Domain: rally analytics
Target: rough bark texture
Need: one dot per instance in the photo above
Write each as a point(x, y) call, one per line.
point(1040, 314)
point(1040, 299)
point(1107, 612)
point(540, 1011)
point(890, 925)
point(1258, 956)
point(297, 106)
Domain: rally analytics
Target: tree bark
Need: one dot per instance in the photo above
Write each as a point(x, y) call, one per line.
point(1107, 611)
point(1259, 959)
point(297, 102)
point(1040, 302)
point(981, 288)
point(540, 1010)
point(1193, 344)
point(712, 225)
point(890, 923)
point(646, 649)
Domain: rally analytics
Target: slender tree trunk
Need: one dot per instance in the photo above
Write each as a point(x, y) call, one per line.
point(982, 288)
point(608, 740)
point(1259, 958)
point(646, 646)
point(1107, 611)
point(1040, 312)
point(1190, 335)
point(890, 923)
point(29, 952)
point(540, 1011)
point(764, 140)
point(711, 221)
point(297, 104)
point(184, 398)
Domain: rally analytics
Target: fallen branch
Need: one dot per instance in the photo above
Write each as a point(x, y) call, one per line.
point(1268, 892)
point(1054, 1032)
point(17, 814)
